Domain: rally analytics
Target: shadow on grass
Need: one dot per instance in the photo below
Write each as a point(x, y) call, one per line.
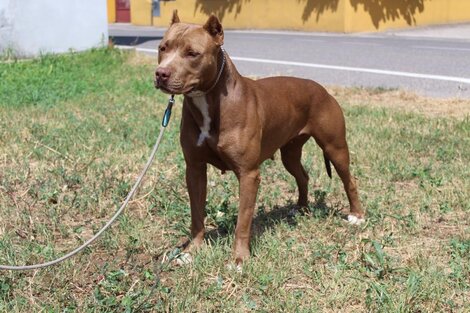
point(265, 221)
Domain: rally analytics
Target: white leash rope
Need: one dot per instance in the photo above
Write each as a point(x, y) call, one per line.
point(118, 212)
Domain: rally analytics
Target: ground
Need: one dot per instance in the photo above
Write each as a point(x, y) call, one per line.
point(76, 130)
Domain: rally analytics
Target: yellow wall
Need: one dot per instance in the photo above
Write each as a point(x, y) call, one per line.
point(141, 12)
point(111, 11)
point(268, 14)
point(363, 15)
point(317, 15)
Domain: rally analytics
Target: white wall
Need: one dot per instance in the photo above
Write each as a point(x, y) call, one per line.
point(31, 27)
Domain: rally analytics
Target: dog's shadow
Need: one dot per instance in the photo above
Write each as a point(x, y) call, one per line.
point(289, 213)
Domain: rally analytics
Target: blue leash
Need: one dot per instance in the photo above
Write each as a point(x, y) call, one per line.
point(167, 115)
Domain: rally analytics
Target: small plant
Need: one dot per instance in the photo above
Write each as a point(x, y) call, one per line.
point(375, 260)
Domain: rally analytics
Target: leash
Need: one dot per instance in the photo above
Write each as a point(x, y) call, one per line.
point(165, 121)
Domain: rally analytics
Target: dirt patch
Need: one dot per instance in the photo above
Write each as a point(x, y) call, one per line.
point(402, 101)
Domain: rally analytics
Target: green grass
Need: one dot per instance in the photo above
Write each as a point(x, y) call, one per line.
point(76, 130)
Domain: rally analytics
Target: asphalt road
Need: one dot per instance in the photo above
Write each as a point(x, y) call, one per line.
point(419, 61)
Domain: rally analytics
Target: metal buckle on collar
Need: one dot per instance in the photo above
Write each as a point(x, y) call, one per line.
point(167, 114)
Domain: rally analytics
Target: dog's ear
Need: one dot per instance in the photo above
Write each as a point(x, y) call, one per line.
point(214, 28)
point(175, 18)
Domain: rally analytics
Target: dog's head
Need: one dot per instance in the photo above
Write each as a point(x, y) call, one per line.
point(187, 56)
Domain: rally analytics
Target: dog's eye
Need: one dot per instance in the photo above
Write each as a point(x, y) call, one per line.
point(192, 54)
point(162, 48)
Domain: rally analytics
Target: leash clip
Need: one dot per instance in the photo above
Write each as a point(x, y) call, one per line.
point(167, 115)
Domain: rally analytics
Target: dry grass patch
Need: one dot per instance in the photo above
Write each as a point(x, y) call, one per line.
point(403, 101)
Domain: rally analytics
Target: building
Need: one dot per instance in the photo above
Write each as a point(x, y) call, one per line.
point(307, 15)
point(31, 27)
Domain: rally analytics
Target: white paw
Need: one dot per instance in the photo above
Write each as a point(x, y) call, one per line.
point(184, 259)
point(237, 268)
point(354, 220)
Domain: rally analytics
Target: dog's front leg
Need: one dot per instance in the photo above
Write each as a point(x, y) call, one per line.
point(249, 183)
point(196, 181)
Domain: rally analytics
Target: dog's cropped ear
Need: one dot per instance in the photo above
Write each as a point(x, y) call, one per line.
point(175, 18)
point(214, 28)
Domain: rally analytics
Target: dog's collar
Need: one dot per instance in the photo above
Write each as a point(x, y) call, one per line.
point(199, 93)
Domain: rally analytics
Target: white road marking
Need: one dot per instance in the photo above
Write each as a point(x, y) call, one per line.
point(358, 69)
point(463, 80)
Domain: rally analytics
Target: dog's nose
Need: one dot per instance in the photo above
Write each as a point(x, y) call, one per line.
point(162, 74)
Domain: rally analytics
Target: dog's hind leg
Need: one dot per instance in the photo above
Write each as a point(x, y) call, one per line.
point(329, 131)
point(339, 156)
point(291, 155)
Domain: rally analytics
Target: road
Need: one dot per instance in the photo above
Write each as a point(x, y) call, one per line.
point(434, 62)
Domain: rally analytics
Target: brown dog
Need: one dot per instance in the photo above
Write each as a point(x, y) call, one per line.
point(235, 123)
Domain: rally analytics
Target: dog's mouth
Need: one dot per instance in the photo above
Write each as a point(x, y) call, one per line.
point(164, 89)
point(173, 90)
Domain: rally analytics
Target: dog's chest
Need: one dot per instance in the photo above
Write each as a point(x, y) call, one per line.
point(201, 104)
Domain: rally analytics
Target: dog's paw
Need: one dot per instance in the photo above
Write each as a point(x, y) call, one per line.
point(237, 268)
point(354, 220)
point(184, 259)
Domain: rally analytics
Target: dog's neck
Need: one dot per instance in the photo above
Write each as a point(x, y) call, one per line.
point(205, 108)
point(221, 61)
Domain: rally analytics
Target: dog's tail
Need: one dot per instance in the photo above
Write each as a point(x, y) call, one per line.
point(327, 165)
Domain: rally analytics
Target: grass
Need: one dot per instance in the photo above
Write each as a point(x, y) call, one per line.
point(75, 131)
